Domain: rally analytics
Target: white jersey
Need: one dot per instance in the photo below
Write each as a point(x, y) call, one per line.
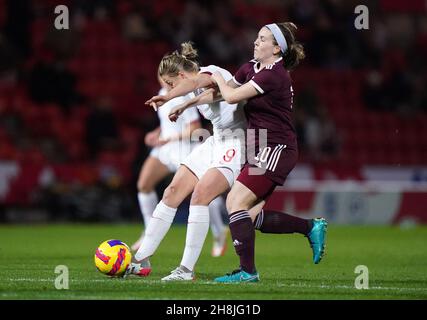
point(225, 149)
point(168, 128)
point(222, 114)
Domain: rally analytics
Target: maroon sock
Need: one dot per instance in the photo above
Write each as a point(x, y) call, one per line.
point(268, 221)
point(243, 235)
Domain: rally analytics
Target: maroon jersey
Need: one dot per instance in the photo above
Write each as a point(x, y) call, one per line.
point(272, 108)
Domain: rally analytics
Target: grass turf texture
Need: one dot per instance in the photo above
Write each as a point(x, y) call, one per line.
point(396, 258)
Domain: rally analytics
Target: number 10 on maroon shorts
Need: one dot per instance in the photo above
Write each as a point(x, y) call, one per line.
point(268, 169)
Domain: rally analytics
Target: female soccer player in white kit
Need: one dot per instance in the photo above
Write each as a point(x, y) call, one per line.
point(207, 172)
point(171, 144)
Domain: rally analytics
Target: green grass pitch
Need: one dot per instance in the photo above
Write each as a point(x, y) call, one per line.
point(396, 259)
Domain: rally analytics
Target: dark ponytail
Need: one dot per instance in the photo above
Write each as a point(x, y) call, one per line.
point(295, 52)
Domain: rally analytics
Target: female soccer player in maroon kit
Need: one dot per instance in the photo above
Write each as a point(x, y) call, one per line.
point(265, 84)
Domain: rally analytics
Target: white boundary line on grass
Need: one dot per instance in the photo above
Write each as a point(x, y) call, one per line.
point(323, 286)
point(291, 285)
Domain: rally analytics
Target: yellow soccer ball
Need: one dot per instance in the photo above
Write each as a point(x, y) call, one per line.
point(112, 257)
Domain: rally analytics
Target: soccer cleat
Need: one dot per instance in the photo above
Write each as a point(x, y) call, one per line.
point(179, 275)
point(220, 244)
point(317, 238)
point(138, 268)
point(237, 276)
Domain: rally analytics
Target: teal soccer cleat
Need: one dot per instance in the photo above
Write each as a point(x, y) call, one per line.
point(317, 238)
point(238, 276)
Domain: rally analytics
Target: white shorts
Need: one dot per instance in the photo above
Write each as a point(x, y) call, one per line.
point(226, 155)
point(172, 154)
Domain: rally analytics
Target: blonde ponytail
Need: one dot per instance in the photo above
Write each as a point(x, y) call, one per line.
point(186, 60)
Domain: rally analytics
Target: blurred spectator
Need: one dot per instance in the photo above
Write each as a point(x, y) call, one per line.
point(307, 99)
point(96, 202)
point(134, 27)
point(50, 80)
point(53, 82)
point(17, 27)
point(328, 45)
point(8, 63)
point(101, 127)
point(52, 150)
point(321, 136)
point(317, 136)
point(63, 44)
point(420, 93)
point(303, 11)
point(373, 91)
point(399, 92)
point(95, 9)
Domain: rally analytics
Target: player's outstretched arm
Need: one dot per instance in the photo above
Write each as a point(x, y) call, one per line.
point(185, 86)
point(209, 96)
point(232, 93)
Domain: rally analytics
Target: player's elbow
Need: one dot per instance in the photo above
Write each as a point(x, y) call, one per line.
point(232, 100)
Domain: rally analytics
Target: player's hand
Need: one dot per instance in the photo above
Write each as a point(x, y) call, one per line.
point(217, 77)
point(175, 113)
point(156, 101)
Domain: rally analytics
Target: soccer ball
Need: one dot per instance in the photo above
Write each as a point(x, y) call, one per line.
point(112, 257)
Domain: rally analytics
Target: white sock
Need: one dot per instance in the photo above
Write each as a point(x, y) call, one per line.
point(156, 230)
point(147, 204)
point(197, 229)
point(215, 213)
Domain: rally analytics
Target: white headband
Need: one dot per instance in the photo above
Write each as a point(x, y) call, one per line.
point(278, 35)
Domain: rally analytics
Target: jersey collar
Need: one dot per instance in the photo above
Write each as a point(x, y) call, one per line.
point(269, 66)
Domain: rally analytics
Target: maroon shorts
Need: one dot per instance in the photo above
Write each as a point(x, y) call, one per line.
point(272, 167)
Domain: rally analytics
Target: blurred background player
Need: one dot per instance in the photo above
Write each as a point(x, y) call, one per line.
point(171, 143)
point(266, 85)
point(209, 171)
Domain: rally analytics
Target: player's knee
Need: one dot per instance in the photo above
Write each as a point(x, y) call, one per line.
point(170, 195)
point(144, 186)
point(200, 197)
point(234, 203)
point(229, 203)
